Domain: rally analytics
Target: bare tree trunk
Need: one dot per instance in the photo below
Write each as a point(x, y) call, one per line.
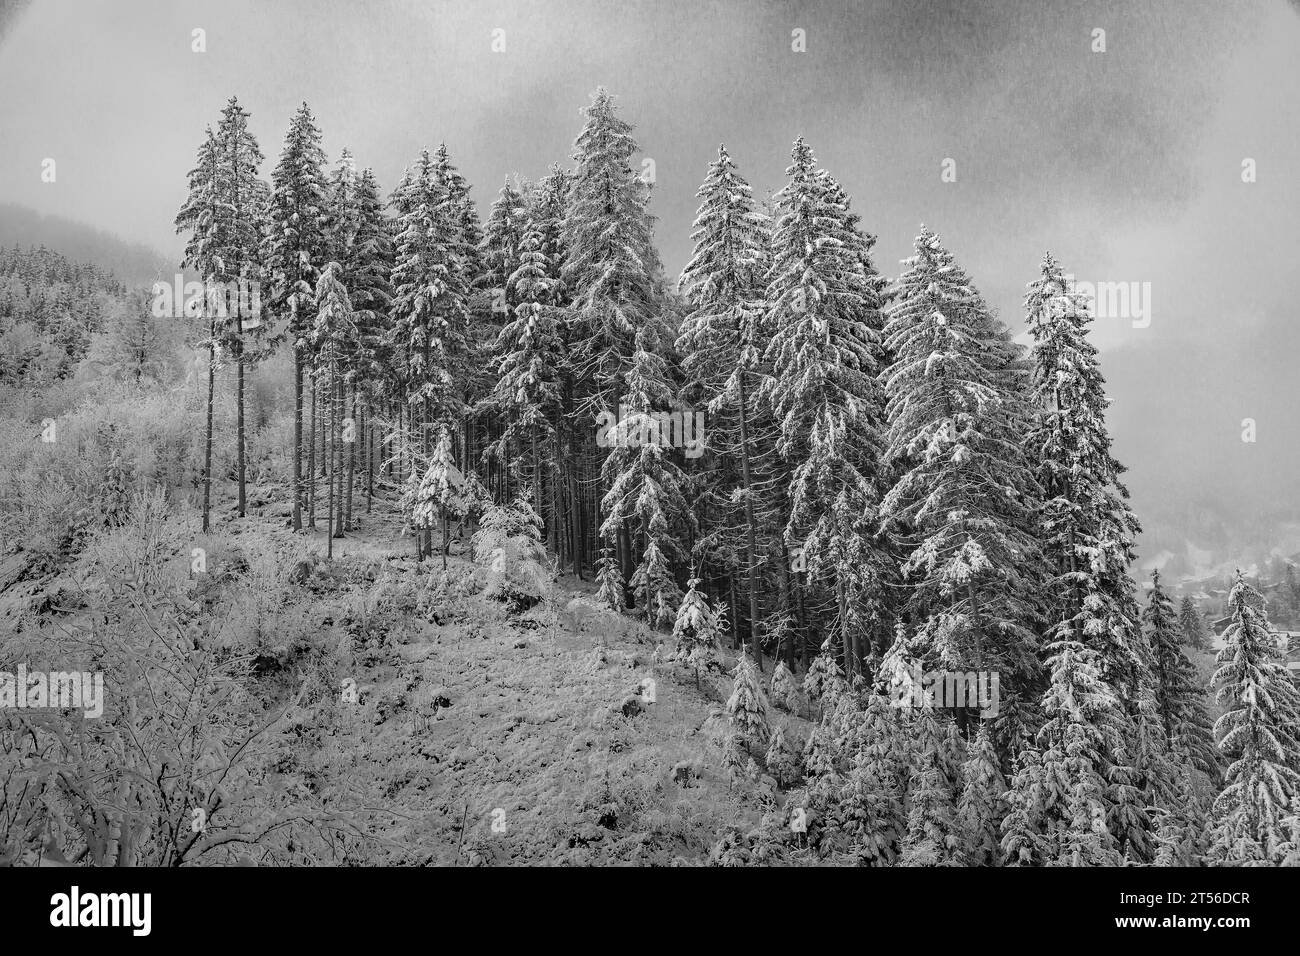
point(297, 437)
point(329, 494)
point(240, 452)
point(336, 455)
point(311, 461)
point(751, 533)
point(370, 459)
point(207, 450)
point(445, 539)
point(352, 463)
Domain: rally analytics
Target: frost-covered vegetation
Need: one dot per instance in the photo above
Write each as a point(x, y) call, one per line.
point(367, 585)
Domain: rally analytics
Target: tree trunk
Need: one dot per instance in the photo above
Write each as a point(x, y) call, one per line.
point(207, 450)
point(329, 494)
point(352, 463)
point(311, 462)
point(751, 532)
point(297, 437)
point(445, 539)
point(240, 454)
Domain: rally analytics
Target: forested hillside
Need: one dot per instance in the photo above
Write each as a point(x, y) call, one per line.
point(410, 536)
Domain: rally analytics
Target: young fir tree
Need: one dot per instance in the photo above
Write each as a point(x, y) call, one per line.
point(696, 632)
point(722, 342)
point(1179, 698)
point(824, 680)
point(1181, 827)
point(824, 311)
point(440, 493)
point(1072, 800)
point(747, 706)
point(1192, 625)
point(784, 689)
point(609, 576)
point(933, 835)
point(1257, 734)
point(871, 799)
point(782, 759)
point(1025, 842)
point(959, 504)
point(980, 809)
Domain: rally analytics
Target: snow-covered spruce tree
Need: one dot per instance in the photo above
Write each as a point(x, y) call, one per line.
point(824, 682)
point(1087, 526)
point(980, 809)
point(529, 359)
point(784, 689)
point(367, 265)
point(959, 504)
point(501, 248)
point(334, 341)
point(609, 279)
point(439, 494)
point(609, 577)
point(933, 837)
point(464, 237)
point(430, 300)
point(607, 241)
point(722, 342)
point(645, 501)
point(825, 354)
point(202, 215)
point(464, 231)
point(1257, 735)
point(653, 581)
point(508, 542)
point(747, 706)
point(783, 762)
point(242, 215)
point(871, 799)
point(696, 632)
point(1181, 828)
point(1081, 737)
point(342, 212)
point(1024, 840)
point(1192, 624)
point(1179, 697)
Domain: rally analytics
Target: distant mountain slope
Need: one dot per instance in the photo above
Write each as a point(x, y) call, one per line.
point(132, 262)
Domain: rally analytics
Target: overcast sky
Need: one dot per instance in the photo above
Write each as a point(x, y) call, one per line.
point(1126, 164)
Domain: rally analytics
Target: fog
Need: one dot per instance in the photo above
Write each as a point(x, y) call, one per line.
point(1127, 164)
